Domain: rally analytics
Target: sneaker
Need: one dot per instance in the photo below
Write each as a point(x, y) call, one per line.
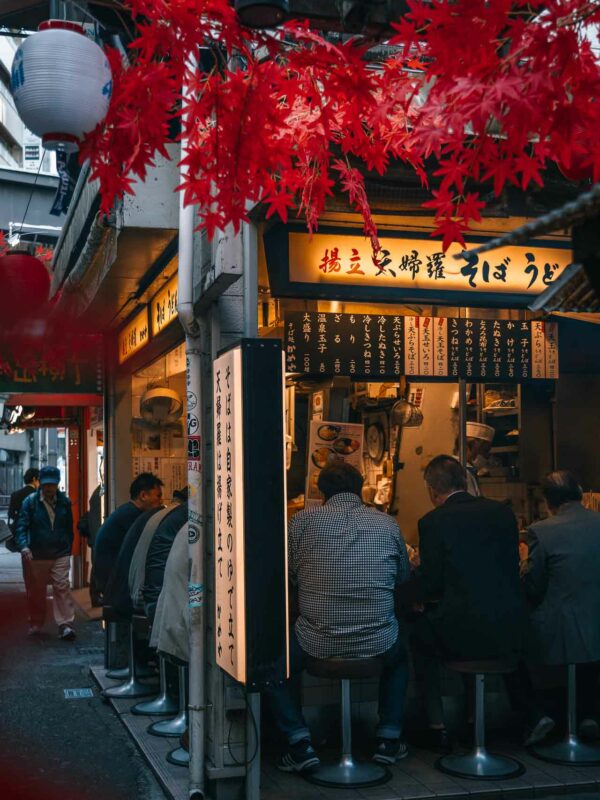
point(34, 630)
point(589, 729)
point(300, 757)
point(66, 633)
point(540, 730)
point(388, 751)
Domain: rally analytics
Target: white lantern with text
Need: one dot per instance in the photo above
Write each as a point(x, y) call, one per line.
point(61, 83)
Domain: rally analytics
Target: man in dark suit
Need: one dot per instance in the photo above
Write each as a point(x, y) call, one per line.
point(469, 576)
point(561, 579)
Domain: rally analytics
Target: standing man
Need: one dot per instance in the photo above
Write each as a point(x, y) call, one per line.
point(32, 480)
point(469, 576)
point(145, 494)
point(44, 535)
point(345, 560)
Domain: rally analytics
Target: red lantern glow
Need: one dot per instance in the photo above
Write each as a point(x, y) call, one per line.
point(25, 283)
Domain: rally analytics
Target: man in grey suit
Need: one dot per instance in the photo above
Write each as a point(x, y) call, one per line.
point(561, 580)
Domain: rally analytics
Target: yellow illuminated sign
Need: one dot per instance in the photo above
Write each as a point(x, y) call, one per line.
point(420, 264)
point(134, 335)
point(163, 307)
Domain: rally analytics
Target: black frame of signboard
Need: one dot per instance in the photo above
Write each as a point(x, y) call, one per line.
point(276, 244)
point(265, 525)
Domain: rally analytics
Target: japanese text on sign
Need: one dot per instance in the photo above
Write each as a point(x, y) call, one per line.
point(421, 264)
point(134, 335)
point(371, 346)
point(164, 306)
point(229, 515)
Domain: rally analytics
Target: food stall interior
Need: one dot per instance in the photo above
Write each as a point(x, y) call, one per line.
point(391, 428)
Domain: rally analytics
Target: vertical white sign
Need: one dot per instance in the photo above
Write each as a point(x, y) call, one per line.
point(440, 347)
point(230, 634)
point(551, 331)
point(426, 338)
point(411, 346)
point(538, 350)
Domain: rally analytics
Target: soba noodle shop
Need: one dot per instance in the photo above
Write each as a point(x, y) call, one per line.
point(391, 361)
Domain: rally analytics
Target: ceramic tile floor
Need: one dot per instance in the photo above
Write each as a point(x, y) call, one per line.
point(414, 778)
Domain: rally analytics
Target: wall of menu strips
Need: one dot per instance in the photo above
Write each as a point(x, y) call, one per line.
point(371, 346)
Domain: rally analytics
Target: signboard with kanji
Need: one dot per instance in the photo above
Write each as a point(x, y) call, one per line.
point(73, 369)
point(339, 264)
point(385, 346)
point(250, 553)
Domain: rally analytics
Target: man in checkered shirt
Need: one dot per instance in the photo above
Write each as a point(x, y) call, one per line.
point(345, 560)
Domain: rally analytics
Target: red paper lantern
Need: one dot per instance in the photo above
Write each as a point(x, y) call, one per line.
point(24, 288)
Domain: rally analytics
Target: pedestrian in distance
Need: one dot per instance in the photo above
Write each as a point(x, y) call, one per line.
point(31, 479)
point(44, 536)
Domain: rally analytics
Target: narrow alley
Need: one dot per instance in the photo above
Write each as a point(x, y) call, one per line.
point(53, 747)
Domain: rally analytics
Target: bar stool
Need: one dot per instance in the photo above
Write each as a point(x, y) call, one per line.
point(163, 704)
point(177, 725)
point(571, 750)
point(181, 755)
point(480, 763)
point(111, 619)
point(132, 687)
point(347, 773)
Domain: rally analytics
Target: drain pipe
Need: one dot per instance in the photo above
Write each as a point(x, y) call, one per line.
point(193, 351)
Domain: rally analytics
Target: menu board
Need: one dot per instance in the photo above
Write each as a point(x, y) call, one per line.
point(385, 346)
point(329, 442)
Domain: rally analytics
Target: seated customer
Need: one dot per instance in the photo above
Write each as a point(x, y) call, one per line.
point(345, 560)
point(158, 552)
point(562, 582)
point(469, 575)
point(145, 493)
point(116, 593)
point(171, 627)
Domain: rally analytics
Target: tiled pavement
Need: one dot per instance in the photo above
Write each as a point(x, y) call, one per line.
point(414, 778)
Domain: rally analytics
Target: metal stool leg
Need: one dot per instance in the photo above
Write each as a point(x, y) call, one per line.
point(571, 750)
point(132, 687)
point(121, 673)
point(347, 772)
point(177, 725)
point(110, 635)
point(479, 763)
point(180, 757)
point(163, 704)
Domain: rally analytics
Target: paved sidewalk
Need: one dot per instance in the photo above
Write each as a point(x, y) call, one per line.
point(51, 747)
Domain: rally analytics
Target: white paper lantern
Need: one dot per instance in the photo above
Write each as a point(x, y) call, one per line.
point(61, 83)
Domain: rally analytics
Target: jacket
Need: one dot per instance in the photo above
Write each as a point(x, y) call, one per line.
point(35, 531)
point(109, 539)
point(171, 626)
point(14, 506)
point(137, 566)
point(562, 582)
point(469, 550)
point(116, 592)
point(158, 552)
